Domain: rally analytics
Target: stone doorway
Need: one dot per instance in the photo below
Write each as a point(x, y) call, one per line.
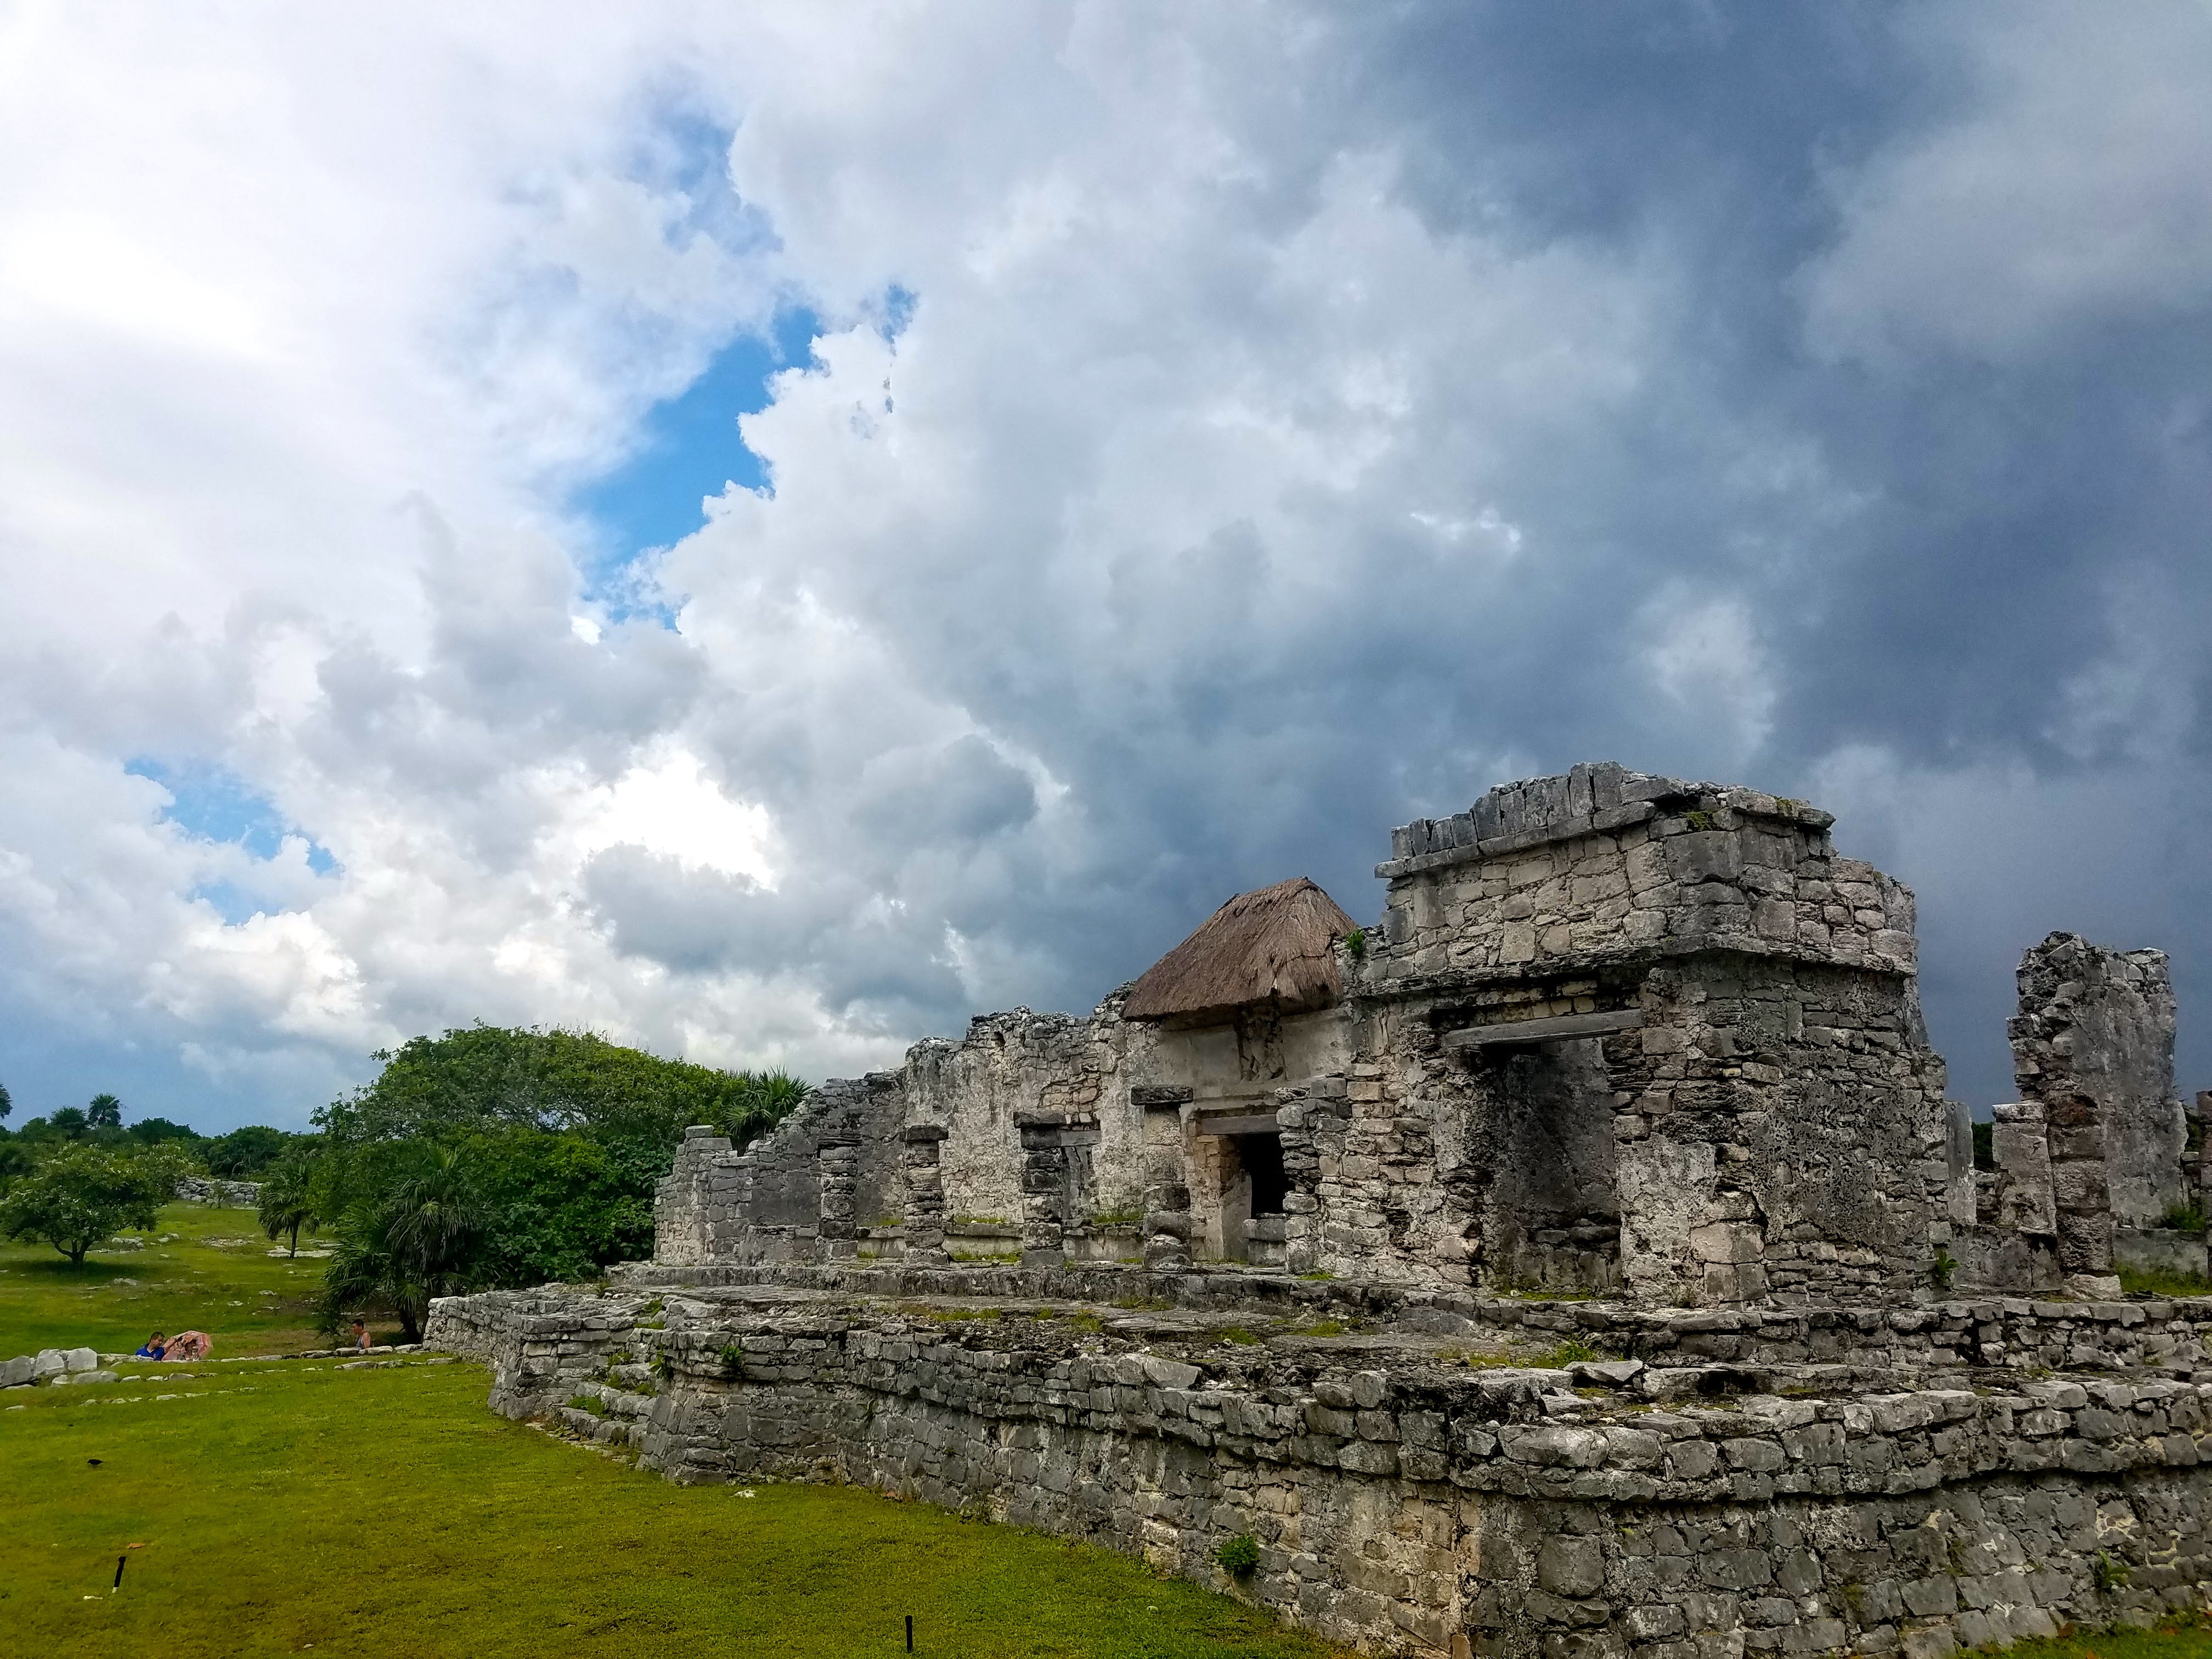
point(1550, 1200)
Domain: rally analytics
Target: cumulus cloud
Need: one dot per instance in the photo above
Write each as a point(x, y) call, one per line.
point(1227, 435)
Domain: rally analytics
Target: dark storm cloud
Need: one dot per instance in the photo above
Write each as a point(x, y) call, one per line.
point(1901, 554)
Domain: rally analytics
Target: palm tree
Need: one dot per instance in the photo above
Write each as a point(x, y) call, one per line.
point(415, 1236)
point(288, 1198)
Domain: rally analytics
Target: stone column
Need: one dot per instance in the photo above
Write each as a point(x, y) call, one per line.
point(1166, 1229)
point(2093, 1044)
point(1044, 1191)
point(680, 1230)
point(919, 1164)
point(839, 1164)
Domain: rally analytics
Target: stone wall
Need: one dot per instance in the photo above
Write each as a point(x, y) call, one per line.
point(1418, 1506)
point(1616, 1034)
point(2093, 1045)
point(1725, 1090)
point(228, 1194)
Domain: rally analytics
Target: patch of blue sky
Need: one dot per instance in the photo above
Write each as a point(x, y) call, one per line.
point(691, 448)
point(213, 804)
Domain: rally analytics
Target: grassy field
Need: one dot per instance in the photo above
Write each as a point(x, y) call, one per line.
point(294, 1506)
point(387, 1511)
point(214, 1274)
point(2191, 1639)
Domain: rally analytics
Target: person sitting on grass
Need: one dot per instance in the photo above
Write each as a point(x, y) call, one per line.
point(360, 1334)
point(188, 1344)
point(153, 1348)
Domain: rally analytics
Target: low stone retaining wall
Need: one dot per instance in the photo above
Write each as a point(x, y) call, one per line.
point(1402, 1502)
point(227, 1194)
point(2017, 1333)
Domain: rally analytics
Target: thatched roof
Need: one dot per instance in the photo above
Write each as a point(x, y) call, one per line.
point(1268, 946)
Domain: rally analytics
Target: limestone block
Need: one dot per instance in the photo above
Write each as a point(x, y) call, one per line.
point(48, 1362)
point(15, 1372)
point(80, 1360)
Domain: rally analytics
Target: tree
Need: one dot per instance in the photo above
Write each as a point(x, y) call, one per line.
point(105, 1112)
point(83, 1192)
point(244, 1153)
point(67, 1124)
point(490, 1077)
point(289, 1199)
point(414, 1231)
point(6, 1105)
point(147, 1130)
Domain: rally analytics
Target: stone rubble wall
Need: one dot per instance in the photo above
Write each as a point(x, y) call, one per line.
point(2016, 1333)
point(227, 1194)
point(1603, 862)
point(1617, 1034)
point(2092, 1046)
point(1427, 1509)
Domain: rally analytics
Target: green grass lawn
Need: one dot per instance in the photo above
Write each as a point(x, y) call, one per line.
point(388, 1512)
point(2182, 1639)
point(216, 1275)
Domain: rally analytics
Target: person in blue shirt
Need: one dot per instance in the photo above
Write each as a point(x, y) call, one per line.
point(154, 1348)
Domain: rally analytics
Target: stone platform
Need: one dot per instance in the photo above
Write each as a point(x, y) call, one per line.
point(1439, 1473)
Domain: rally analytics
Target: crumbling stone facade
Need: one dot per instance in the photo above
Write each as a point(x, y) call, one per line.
point(1632, 1069)
point(1616, 1033)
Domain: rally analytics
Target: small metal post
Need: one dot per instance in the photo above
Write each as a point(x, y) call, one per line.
point(118, 1584)
point(909, 1622)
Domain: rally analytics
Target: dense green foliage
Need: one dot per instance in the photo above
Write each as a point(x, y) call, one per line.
point(243, 1154)
point(550, 1143)
point(546, 1144)
point(240, 1155)
point(490, 1076)
point(414, 1227)
point(81, 1194)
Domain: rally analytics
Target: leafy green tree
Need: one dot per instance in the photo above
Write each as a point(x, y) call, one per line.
point(244, 1153)
point(289, 1198)
point(7, 1105)
point(488, 1076)
point(562, 1205)
point(67, 1124)
point(414, 1231)
point(105, 1112)
point(150, 1130)
point(83, 1192)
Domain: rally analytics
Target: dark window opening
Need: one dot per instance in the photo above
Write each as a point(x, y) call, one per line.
point(1262, 1157)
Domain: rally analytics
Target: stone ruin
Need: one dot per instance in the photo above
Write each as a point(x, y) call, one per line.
point(1584, 1261)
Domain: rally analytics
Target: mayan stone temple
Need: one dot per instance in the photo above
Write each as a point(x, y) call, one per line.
point(1584, 1261)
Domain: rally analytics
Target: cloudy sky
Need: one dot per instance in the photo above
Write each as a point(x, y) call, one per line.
point(762, 530)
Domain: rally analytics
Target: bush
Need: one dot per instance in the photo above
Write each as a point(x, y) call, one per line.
point(1238, 1557)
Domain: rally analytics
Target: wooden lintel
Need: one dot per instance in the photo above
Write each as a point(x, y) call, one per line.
point(1521, 1032)
point(1238, 1123)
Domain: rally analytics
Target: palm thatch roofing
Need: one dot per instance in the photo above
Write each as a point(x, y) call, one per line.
point(1271, 947)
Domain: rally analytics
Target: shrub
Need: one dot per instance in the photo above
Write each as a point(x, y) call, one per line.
point(1942, 1270)
point(1238, 1557)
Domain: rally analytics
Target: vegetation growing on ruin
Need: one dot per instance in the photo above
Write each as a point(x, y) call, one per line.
point(385, 1511)
point(2156, 1281)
